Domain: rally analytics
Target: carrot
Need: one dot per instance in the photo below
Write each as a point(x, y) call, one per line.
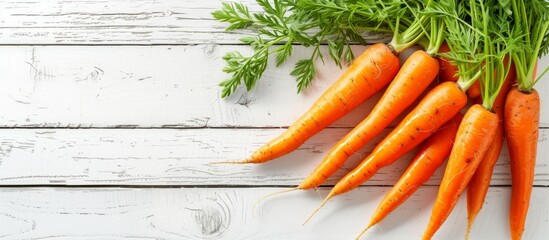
point(419, 70)
point(521, 126)
point(479, 125)
point(368, 74)
point(448, 71)
point(474, 135)
point(474, 91)
point(478, 186)
point(439, 105)
point(429, 157)
point(522, 106)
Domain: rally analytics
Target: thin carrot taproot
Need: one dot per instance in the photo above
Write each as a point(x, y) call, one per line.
point(480, 182)
point(415, 75)
point(439, 105)
point(430, 156)
point(369, 73)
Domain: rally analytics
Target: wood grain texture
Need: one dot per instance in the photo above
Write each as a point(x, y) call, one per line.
point(118, 22)
point(183, 156)
point(129, 86)
point(148, 87)
point(198, 213)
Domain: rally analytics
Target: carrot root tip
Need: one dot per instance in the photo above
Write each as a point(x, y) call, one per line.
point(364, 231)
point(318, 208)
point(468, 231)
point(270, 195)
point(233, 162)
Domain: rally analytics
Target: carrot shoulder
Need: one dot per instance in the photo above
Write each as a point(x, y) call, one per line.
point(368, 74)
point(521, 126)
point(429, 158)
point(475, 133)
point(419, 70)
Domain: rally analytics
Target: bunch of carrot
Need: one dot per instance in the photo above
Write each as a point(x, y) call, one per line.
point(480, 46)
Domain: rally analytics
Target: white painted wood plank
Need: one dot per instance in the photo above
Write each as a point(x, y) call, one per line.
point(148, 87)
point(118, 22)
point(191, 213)
point(156, 87)
point(183, 157)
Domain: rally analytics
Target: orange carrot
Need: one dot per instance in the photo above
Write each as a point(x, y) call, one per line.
point(448, 71)
point(479, 125)
point(436, 108)
point(521, 121)
point(475, 133)
point(522, 107)
point(478, 186)
point(419, 70)
point(439, 105)
point(474, 91)
point(429, 157)
point(368, 74)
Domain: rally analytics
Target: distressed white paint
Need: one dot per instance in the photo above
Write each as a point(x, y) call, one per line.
point(183, 157)
point(189, 213)
point(148, 87)
point(118, 22)
point(155, 87)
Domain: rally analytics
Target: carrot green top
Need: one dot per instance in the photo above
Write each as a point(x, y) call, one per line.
point(464, 41)
point(479, 36)
point(312, 23)
point(413, 33)
point(492, 19)
point(530, 25)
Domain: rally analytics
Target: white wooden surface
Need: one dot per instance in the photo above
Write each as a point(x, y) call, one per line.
point(182, 157)
point(226, 213)
point(125, 22)
point(110, 114)
point(154, 86)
